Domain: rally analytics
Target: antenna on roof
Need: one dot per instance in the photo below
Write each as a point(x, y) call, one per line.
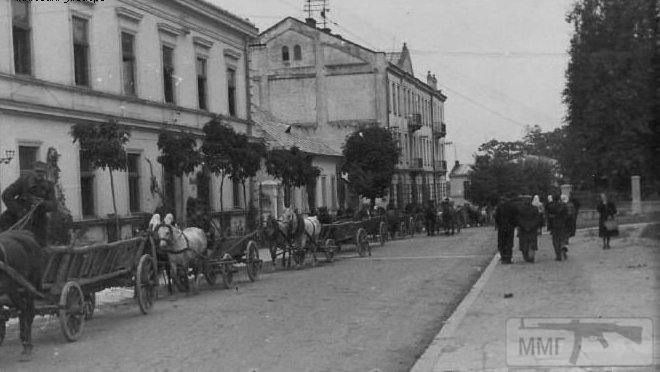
point(318, 6)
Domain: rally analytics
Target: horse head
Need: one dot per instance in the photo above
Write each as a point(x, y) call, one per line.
point(164, 233)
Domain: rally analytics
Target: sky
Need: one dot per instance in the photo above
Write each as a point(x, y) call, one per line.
point(501, 63)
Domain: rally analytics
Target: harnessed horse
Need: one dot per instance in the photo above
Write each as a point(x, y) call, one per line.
point(183, 248)
point(292, 234)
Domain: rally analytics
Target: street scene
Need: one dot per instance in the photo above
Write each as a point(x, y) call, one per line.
point(324, 185)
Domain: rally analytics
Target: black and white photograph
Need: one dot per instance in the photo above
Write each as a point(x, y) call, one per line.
point(330, 185)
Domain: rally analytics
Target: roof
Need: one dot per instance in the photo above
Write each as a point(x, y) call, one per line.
point(460, 170)
point(230, 19)
point(393, 57)
point(274, 132)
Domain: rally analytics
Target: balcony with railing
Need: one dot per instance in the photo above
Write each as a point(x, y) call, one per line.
point(440, 165)
point(417, 163)
point(414, 122)
point(439, 130)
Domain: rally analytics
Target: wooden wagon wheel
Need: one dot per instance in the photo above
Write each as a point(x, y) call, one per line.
point(252, 263)
point(227, 275)
point(362, 243)
point(3, 330)
point(382, 230)
point(146, 283)
point(71, 312)
point(329, 249)
point(90, 305)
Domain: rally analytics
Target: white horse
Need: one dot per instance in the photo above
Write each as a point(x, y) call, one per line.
point(306, 229)
point(183, 248)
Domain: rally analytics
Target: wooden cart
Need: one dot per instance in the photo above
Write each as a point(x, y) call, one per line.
point(226, 253)
point(73, 275)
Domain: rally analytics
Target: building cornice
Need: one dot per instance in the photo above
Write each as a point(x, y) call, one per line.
point(414, 80)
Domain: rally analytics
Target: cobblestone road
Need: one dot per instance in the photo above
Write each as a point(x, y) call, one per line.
point(355, 314)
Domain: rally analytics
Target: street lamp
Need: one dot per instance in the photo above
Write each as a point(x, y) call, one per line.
point(9, 154)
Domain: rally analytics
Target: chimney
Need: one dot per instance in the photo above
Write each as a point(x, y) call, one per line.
point(311, 22)
point(431, 81)
point(326, 30)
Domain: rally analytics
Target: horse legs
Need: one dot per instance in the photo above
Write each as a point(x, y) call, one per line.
point(25, 305)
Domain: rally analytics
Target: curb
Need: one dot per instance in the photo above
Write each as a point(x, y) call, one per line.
point(429, 359)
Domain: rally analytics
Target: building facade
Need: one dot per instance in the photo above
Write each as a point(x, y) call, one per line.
point(328, 86)
point(148, 64)
point(459, 183)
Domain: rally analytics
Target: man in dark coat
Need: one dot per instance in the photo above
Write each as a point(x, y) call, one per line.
point(429, 217)
point(31, 189)
point(559, 219)
point(529, 222)
point(505, 222)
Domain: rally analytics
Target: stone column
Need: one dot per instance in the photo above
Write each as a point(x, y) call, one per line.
point(636, 207)
point(566, 189)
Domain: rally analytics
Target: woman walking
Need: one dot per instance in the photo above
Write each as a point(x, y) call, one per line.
point(607, 210)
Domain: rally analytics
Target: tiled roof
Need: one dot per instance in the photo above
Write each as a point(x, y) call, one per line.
point(274, 132)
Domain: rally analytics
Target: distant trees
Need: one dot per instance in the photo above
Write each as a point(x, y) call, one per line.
point(294, 169)
point(609, 91)
point(370, 158)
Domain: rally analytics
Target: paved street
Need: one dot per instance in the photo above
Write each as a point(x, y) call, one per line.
point(356, 314)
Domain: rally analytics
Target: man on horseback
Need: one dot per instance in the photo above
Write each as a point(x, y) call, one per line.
point(30, 193)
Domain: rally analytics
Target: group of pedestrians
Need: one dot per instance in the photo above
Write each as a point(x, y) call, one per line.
point(528, 215)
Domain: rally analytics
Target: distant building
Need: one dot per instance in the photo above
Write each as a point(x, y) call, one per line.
point(328, 86)
point(170, 64)
point(459, 184)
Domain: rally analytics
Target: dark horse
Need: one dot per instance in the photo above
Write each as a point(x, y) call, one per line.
point(20, 251)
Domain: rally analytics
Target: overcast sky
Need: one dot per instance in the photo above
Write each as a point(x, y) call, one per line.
point(500, 62)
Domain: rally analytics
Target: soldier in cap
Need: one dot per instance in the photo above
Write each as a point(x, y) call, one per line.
point(31, 189)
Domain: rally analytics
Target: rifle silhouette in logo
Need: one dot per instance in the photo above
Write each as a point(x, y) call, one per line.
point(595, 330)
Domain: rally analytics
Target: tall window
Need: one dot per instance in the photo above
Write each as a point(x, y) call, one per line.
point(21, 36)
point(201, 82)
point(231, 91)
point(134, 182)
point(81, 51)
point(27, 155)
point(297, 53)
point(168, 74)
point(236, 194)
point(86, 186)
point(285, 54)
point(128, 62)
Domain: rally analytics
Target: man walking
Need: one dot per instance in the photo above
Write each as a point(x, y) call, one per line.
point(505, 222)
point(31, 189)
point(559, 219)
point(429, 218)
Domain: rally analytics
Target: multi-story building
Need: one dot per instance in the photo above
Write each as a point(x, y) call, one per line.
point(148, 64)
point(328, 86)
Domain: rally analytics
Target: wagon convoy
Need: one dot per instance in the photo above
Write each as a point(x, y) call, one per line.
point(71, 276)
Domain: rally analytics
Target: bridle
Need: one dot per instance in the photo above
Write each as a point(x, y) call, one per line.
point(170, 240)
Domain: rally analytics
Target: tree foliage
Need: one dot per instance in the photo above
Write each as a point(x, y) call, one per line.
point(370, 158)
point(180, 154)
point(103, 144)
point(609, 89)
point(293, 167)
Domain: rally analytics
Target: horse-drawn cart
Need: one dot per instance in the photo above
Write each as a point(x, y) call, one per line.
point(72, 276)
point(226, 252)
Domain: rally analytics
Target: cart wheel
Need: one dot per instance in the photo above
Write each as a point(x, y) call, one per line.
point(361, 242)
point(382, 230)
point(72, 309)
point(227, 276)
point(90, 305)
point(181, 279)
point(146, 283)
point(3, 330)
point(211, 276)
point(329, 249)
point(253, 263)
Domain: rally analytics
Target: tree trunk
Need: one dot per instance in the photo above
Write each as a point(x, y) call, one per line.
point(222, 207)
point(114, 203)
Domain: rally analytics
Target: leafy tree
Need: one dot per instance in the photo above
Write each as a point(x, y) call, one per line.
point(609, 90)
point(293, 167)
point(103, 145)
point(246, 160)
point(217, 146)
point(371, 155)
point(179, 156)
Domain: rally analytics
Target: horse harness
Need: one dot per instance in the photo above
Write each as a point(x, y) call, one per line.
point(170, 240)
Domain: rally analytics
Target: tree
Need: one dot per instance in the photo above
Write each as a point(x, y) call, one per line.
point(217, 146)
point(293, 168)
point(609, 90)
point(246, 162)
point(179, 155)
point(103, 146)
point(371, 155)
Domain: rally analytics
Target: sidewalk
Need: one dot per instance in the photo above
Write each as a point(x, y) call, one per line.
point(617, 283)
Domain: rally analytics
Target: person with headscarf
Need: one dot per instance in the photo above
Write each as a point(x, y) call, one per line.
point(536, 202)
point(606, 210)
point(572, 217)
point(550, 201)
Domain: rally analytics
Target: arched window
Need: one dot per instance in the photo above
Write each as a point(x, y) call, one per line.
point(285, 53)
point(297, 53)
